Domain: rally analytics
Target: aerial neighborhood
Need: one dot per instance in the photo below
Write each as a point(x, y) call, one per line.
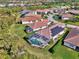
point(36, 29)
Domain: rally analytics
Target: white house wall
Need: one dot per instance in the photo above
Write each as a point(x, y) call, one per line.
point(65, 18)
point(69, 45)
point(26, 22)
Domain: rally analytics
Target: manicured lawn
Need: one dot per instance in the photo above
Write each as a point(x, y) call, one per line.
point(62, 52)
point(72, 23)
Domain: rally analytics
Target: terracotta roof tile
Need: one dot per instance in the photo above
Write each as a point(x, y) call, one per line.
point(42, 10)
point(74, 11)
point(67, 15)
point(45, 32)
point(31, 18)
point(73, 37)
point(39, 24)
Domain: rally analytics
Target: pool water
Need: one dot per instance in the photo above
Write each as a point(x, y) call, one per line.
point(35, 41)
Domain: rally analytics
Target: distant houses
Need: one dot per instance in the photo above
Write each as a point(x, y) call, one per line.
point(72, 39)
point(25, 12)
point(74, 12)
point(36, 22)
point(67, 16)
point(42, 11)
point(39, 25)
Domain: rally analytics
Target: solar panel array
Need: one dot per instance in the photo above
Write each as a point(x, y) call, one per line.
point(56, 30)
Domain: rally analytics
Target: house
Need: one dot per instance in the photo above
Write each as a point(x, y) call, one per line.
point(38, 40)
point(74, 12)
point(56, 31)
point(2, 5)
point(30, 19)
point(67, 16)
point(72, 39)
point(45, 32)
point(24, 13)
point(58, 11)
point(42, 11)
point(39, 25)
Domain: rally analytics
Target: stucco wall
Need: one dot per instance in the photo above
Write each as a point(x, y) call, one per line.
point(69, 45)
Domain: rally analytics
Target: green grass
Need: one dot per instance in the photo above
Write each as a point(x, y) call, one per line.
point(73, 23)
point(62, 52)
point(38, 7)
point(18, 29)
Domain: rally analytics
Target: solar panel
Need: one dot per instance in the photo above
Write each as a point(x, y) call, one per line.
point(56, 30)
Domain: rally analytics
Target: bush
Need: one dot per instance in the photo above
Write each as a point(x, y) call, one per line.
point(57, 17)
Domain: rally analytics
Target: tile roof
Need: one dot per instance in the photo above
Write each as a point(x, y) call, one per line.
point(74, 11)
point(45, 32)
point(25, 11)
point(73, 37)
point(39, 24)
point(67, 15)
point(72, 33)
point(31, 18)
point(42, 10)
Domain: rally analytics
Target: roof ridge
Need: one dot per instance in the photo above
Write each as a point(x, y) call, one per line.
point(71, 38)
